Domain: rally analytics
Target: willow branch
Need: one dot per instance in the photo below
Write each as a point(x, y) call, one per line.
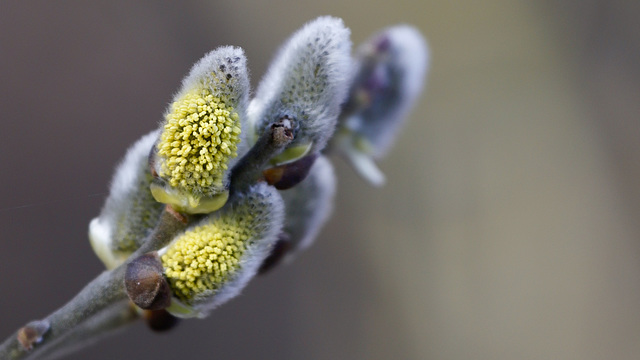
point(105, 290)
point(62, 329)
point(106, 323)
point(271, 143)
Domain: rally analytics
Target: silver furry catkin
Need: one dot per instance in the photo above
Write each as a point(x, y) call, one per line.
point(309, 204)
point(130, 211)
point(391, 67)
point(306, 82)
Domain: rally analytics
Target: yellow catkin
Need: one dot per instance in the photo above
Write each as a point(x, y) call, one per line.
point(200, 136)
point(204, 257)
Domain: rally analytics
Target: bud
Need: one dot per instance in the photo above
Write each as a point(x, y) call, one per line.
point(308, 205)
point(130, 211)
point(288, 175)
point(201, 135)
point(160, 320)
point(145, 283)
point(280, 250)
point(391, 68)
point(214, 259)
point(306, 82)
point(307, 208)
point(31, 334)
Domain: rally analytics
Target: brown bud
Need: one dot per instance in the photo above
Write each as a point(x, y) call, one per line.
point(291, 174)
point(282, 131)
point(280, 249)
point(32, 333)
point(160, 320)
point(146, 284)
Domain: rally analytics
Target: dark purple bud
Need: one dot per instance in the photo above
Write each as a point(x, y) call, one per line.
point(291, 174)
point(145, 283)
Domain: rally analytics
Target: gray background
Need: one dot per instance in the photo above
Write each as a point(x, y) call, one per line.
point(509, 227)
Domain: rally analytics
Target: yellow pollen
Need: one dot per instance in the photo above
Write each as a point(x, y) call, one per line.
point(204, 257)
point(200, 136)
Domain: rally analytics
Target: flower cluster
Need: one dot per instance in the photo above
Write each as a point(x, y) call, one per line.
point(200, 138)
point(253, 175)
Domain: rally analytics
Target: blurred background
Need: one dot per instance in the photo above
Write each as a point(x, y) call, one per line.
point(508, 229)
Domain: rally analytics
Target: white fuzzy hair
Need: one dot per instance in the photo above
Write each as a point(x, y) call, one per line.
point(307, 80)
point(264, 204)
point(122, 192)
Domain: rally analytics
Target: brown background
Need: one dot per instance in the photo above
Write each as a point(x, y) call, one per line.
point(509, 228)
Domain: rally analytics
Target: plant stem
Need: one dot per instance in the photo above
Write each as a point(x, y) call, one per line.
point(249, 169)
point(107, 322)
point(105, 290)
point(85, 316)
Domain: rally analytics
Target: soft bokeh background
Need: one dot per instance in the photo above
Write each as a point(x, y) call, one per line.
point(509, 227)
